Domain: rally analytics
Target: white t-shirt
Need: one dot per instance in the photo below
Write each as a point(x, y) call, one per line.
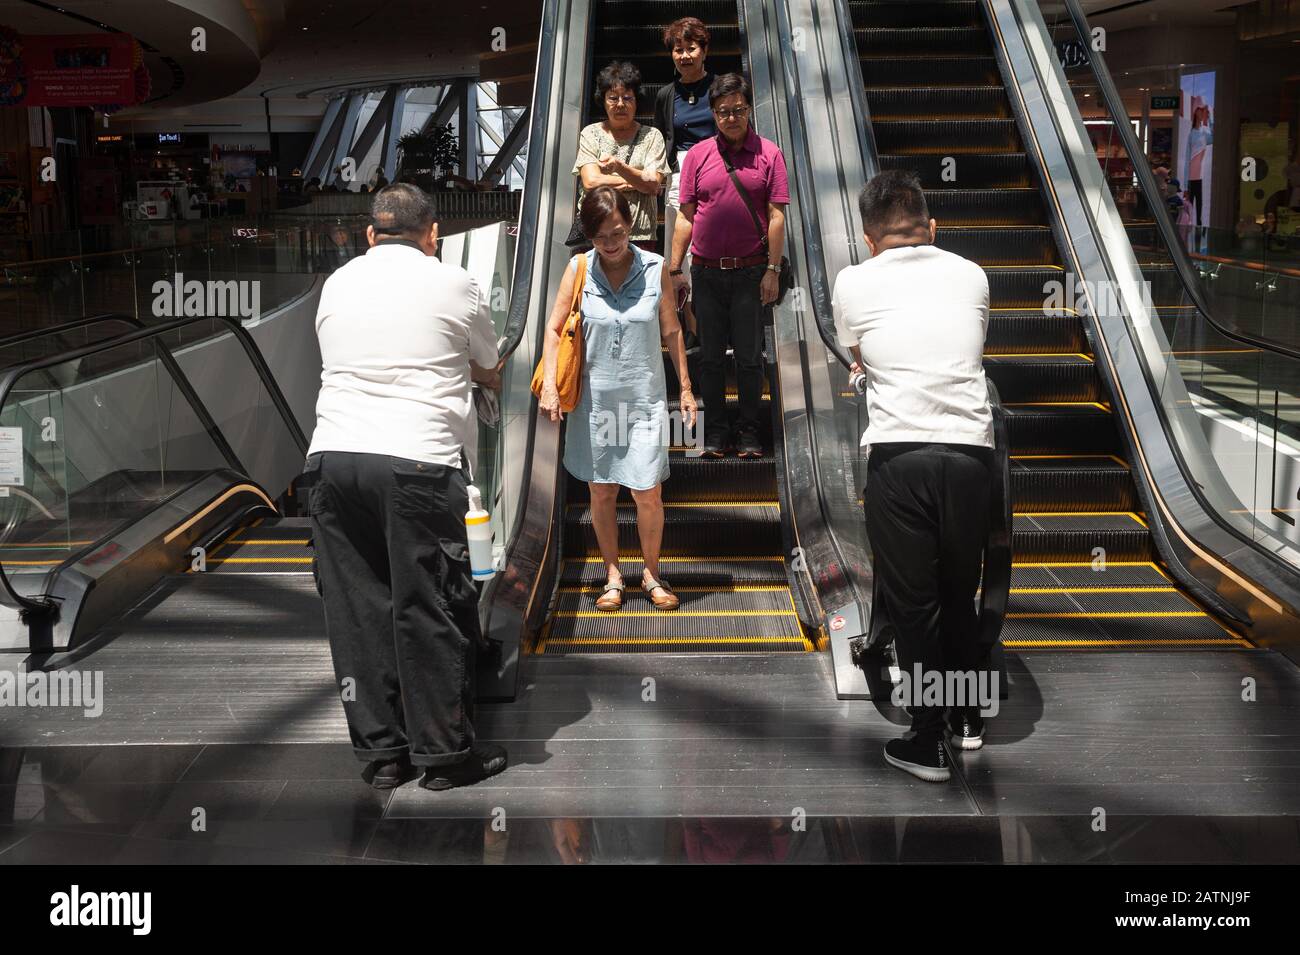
point(919, 315)
point(397, 331)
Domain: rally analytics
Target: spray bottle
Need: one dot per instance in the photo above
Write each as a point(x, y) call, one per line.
point(479, 531)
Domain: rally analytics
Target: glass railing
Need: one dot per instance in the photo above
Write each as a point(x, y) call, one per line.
point(86, 453)
point(1215, 313)
point(487, 253)
point(148, 270)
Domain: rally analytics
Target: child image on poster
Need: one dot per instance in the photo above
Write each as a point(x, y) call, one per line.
point(1196, 133)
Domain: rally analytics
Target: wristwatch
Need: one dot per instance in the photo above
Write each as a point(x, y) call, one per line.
point(674, 271)
point(774, 268)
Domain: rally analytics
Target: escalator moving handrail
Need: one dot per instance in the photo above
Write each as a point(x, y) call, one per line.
point(531, 204)
point(1147, 183)
point(15, 373)
point(818, 281)
point(73, 325)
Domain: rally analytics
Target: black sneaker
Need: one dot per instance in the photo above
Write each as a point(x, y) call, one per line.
point(714, 447)
point(389, 773)
point(484, 760)
point(748, 446)
point(923, 758)
point(966, 728)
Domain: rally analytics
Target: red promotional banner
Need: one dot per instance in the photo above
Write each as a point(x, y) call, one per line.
point(91, 69)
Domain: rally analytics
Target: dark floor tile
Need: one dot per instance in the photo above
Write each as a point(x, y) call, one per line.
point(141, 763)
point(268, 761)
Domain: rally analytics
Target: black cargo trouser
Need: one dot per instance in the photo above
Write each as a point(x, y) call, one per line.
point(401, 611)
point(927, 509)
point(729, 309)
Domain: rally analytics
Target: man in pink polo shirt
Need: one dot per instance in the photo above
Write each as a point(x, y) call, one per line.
point(736, 243)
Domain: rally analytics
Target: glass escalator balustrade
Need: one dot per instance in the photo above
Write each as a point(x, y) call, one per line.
point(1225, 377)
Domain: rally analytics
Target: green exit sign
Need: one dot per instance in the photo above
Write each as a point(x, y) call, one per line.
point(1166, 102)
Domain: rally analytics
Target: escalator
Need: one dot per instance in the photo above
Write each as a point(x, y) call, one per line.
point(1087, 573)
point(723, 544)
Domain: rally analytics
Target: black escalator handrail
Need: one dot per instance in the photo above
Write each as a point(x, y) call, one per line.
point(995, 589)
point(1147, 183)
point(539, 115)
point(71, 326)
point(814, 260)
point(9, 377)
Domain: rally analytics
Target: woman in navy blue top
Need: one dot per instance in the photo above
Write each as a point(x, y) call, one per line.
point(683, 115)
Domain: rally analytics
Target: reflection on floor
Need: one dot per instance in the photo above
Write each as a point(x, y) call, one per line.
point(720, 758)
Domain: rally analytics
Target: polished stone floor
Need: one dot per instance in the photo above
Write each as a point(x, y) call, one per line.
point(1096, 757)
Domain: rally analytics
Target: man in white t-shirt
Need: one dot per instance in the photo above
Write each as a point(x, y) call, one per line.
point(402, 335)
point(914, 318)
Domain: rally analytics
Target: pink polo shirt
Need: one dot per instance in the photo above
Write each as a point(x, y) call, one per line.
point(723, 227)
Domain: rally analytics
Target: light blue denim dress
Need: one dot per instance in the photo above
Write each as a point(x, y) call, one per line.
point(618, 433)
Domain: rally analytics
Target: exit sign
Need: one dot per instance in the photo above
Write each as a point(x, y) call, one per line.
point(1166, 102)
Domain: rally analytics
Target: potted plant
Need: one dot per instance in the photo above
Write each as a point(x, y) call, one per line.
point(427, 154)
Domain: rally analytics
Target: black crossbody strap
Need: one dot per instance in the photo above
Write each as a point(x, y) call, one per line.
point(744, 193)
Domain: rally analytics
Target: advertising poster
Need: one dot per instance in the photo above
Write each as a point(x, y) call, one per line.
point(1195, 152)
point(92, 69)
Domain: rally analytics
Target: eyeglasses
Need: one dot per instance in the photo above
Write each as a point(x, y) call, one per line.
point(731, 113)
point(625, 98)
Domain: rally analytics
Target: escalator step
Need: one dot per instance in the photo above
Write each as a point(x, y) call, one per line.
point(1061, 537)
point(724, 529)
point(268, 545)
point(664, 12)
point(946, 137)
point(930, 13)
point(1110, 601)
point(1091, 631)
point(1061, 429)
point(699, 480)
point(994, 245)
point(617, 39)
point(1073, 482)
point(893, 41)
point(1087, 575)
point(976, 170)
point(750, 600)
point(1021, 287)
point(931, 71)
point(718, 572)
point(939, 102)
point(1030, 332)
point(986, 206)
point(1043, 378)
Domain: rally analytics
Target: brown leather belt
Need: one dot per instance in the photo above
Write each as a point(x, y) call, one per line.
point(729, 262)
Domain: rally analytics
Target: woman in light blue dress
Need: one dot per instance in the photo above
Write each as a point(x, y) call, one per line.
point(619, 433)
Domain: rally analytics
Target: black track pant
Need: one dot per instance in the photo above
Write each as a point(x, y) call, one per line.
point(927, 508)
point(401, 611)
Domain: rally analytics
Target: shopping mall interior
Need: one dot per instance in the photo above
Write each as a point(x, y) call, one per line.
point(1127, 174)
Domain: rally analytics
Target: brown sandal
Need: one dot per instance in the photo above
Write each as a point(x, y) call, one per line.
point(669, 602)
point(609, 604)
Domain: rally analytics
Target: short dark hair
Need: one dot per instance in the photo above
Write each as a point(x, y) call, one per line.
point(893, 203)
point(685, 29)
point(598, 205)
point(618, 73)
point(402, 209)
point(729, 84)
